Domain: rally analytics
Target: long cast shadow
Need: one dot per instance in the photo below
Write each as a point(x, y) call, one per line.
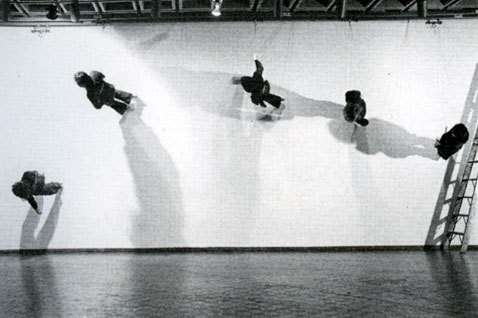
point(28, 241)
point(219, 89)
point(381, 136)
point(160, 219)
point(453, 277)
point(40, 285)
point(236, 147)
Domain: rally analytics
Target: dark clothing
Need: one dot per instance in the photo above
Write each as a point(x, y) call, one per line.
point(35, 183)
point(104, 93)
point(259, 88)
point(452, 141)
point(355, 109)
point(122, 104)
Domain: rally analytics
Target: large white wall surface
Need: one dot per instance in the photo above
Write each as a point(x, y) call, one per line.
point(197, 164)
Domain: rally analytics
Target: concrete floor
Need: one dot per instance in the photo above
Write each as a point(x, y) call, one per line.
point(361, 284)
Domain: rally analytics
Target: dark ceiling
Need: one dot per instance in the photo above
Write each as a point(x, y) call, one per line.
point(75, 12)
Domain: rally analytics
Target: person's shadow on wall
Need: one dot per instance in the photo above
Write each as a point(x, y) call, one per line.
point(41, 287)
point(28, 241)
point(385, 137)
point(160, 219)
point(224, 95)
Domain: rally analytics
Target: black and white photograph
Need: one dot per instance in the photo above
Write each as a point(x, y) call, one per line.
point(239, 158)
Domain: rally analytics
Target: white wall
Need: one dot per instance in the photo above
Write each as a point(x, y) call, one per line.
point(199, 165)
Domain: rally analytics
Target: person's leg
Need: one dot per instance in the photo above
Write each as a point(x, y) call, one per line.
point(123, 96)
point(120, 107)
point(274, 100)
point(50, 188)
point(266, 90)
point(362, 110)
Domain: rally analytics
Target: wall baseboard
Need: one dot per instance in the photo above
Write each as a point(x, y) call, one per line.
point(228, 250)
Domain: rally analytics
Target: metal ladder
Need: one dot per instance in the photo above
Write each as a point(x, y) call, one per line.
point(458, 226)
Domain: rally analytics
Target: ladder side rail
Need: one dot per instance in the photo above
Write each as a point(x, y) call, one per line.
point(470, 119)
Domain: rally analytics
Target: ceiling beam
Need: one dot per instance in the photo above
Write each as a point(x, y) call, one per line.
point(136, 6)
point(257, 4)
point(278, 8)
point(155, 9)
point(372, 5)
point(21, 8)
point(294, 5)
point(62, 7)
point(102, 6)
point(409, 5)
point(341, 8)
point(331, 6)
point(75, 14)
point(450, 4)
point(422, 9)
point(5, 10)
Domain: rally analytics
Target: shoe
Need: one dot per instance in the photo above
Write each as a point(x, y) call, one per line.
point(128, 99)
point(362, 122)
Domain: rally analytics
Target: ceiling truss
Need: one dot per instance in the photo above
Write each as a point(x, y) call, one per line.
point(78, 11)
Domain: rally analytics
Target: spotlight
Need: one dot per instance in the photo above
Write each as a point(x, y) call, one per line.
point(52, 12)
point(217, 8)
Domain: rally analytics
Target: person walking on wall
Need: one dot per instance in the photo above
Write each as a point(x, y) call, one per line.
point(452, 141)
point(260, 88)
point(33, 183)
point(102, 93)
point(355, 108)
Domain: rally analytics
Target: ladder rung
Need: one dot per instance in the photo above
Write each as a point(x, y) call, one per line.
point(465, 197)
point(456, 233)
point(469, 179)
point(456, 216)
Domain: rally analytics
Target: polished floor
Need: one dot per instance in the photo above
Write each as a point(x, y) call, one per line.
point(346, 284)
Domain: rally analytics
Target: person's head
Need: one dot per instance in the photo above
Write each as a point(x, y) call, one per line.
point(461, 133)
point(21, 190)
point(83, 79)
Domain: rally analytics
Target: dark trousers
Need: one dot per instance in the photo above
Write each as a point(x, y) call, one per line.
point(355, 112)
point(120, 102)
point(272, 99)
point(48, 189)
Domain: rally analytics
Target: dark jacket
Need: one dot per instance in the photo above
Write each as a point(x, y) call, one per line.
point(36, 183)
point(355, 107)
point(452, 141)
point(100, 92)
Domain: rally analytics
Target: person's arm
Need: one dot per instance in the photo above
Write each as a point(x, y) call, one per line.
point(33, 203)
point(94, 100)
point(97, 76)
point(362, 109)
point(259, 67)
